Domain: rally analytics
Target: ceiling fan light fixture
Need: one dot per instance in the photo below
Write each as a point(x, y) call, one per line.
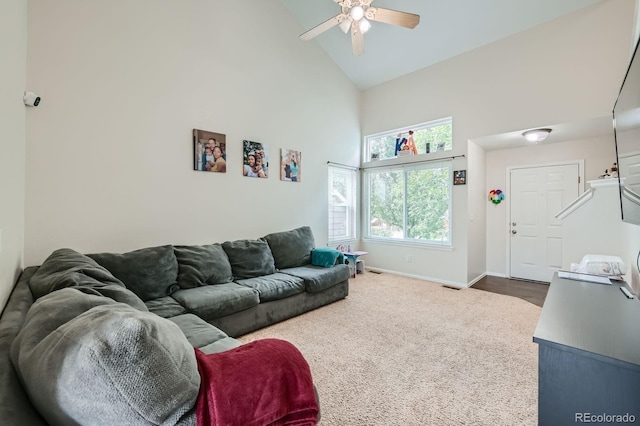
point(357, 13)
point(345, 25)
point(365, 25)
point(536, 135)
point(356, 16)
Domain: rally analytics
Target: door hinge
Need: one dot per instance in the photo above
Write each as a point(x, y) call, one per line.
point(578, 179)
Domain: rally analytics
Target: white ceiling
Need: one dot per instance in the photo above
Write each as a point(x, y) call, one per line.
point(447, 28)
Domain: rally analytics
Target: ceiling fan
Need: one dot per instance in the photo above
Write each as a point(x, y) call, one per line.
point(355, 17)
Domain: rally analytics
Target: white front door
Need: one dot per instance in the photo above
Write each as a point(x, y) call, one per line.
point(537, 195)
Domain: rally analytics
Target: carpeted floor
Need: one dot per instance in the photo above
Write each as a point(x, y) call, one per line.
point(401, 351)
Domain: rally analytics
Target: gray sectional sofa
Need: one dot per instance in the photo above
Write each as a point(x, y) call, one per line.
point(108, 338)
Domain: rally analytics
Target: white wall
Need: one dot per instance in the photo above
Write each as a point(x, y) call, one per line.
point(567, 70)
point(109, 151)
point(13, 51)
point(476, 184)
point(595, 226)
point(632, 247)
point(598, 154)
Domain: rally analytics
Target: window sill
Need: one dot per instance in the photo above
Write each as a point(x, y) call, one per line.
point(397, 161)
point(351, 241)
point(405, 243)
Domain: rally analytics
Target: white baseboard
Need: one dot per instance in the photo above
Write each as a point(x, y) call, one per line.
point(496, 274)
point(476, 279)
point(420, 277)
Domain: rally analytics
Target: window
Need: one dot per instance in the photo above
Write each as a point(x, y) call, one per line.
point(342, 204)
point(410, 203)
point(437, 134)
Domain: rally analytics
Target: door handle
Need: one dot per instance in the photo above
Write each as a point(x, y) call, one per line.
point(514, 231)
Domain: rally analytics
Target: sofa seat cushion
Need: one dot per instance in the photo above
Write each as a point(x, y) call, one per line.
point(215, 301)
point(166, 307)
point(68, 268)
point(291, 248)
point(150, 273)
point(203, 335)
point(275, 286)
point(249, 258)
point(318, 278)
point(113, 363)
point(202, 265)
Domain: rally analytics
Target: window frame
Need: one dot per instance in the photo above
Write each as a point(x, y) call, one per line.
point(352, 204)
point(393, 133)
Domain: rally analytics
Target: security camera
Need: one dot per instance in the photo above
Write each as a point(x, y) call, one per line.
point(31, 99)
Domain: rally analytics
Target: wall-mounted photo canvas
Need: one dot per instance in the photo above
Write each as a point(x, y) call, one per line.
point(255, 159)
point(209, 151)
point(290, 167)
point(460, 177)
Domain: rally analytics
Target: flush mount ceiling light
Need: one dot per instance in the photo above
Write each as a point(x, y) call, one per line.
point(536, 135)
point(356, 16)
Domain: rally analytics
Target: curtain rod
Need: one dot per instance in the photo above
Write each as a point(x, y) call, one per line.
point(345, 166)
point(415, 162)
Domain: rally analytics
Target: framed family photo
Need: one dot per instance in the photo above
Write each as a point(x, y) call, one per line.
point(255, 159)
point(209, 151)
point(460, 177)
point(290, 165)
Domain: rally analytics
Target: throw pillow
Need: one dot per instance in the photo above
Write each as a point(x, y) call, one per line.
point(291, 248)
point(50, 312)
point(112, 363)
point(68, 268)
point(202, 265)
point(249, 258)
point(150, 273)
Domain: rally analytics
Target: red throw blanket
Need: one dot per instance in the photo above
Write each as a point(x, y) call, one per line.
point(265, 382)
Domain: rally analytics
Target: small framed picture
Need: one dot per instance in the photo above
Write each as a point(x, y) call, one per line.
point(460, 177)
point(209, 151)
point(290, 165)
point(255, 158)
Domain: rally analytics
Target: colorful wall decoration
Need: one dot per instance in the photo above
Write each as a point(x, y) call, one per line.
point(496, 196)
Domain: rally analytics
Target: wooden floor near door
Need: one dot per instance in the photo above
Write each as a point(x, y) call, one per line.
point(531, 291)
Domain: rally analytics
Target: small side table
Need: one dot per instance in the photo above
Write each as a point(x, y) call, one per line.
point(352, 259)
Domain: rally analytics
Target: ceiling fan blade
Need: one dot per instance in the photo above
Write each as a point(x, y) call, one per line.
point(393, 17)
point(319, 29)
point(357, 40)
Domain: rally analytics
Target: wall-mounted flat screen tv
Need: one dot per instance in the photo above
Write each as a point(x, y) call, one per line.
point(626, 125)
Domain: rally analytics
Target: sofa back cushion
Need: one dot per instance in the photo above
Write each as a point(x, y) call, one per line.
point(249, 258)
point(68, 268)
point(291, 248)
point(150, 272)
point(202, 265)
point(112, 363)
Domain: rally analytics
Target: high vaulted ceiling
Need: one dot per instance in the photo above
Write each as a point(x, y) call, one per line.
point(447, 28)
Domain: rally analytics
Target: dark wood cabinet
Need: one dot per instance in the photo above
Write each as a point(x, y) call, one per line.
point(588, 338)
